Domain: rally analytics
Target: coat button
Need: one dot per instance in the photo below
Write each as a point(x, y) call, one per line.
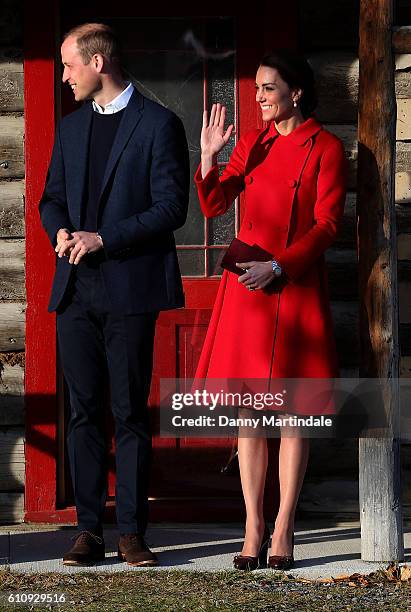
point(250, 225)
point(292, 183)
point(248, 180)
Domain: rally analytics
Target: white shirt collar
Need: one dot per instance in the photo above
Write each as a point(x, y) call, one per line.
point(117, 104)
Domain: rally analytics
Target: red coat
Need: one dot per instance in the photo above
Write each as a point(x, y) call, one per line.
point(294, 189)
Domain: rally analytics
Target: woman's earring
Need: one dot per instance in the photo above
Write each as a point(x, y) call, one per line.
point(295, 104)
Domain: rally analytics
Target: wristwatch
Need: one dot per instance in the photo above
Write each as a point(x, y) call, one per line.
point(276, 268)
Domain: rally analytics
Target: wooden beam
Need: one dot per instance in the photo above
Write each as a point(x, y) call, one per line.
point(379, 458)
point(11, 80)
point(12, 209)
point(11, 147)
point(12, 326)
point(12, 288)
point(401, 39)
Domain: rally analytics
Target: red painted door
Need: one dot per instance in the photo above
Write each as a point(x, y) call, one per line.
point(187, 60)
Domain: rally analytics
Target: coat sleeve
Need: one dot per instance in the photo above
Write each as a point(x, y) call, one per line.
point(328, 211)
point(53, 204)
point(216, 193)
point(169, 182)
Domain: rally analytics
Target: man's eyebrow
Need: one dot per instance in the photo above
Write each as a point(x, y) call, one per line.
point(265, 84)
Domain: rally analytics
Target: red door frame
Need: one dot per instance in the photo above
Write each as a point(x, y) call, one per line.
point(41, 34)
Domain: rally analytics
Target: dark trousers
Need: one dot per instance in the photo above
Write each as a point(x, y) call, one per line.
point(95, 344)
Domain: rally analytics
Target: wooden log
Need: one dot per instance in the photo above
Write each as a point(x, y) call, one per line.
point(401, 39)
point(336, 76)
point(404, 247)
point(348, 135)
point(342, 273)
point(345, 318)
point(12, 209)
point(11, 81)
point(403, 77)
point(403, 156)
point(403, 131)
point(12, 256)
point(12, 459)
point(347, 235)
point(11, 507)
point(405, 367)
point(403, 188)
point(11, 147)
point(379, 458)
point(402, 62)
point(11, 395)
point(12, 326)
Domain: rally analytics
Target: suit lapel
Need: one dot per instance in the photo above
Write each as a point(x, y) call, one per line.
point(132, 116)
point(80, 160)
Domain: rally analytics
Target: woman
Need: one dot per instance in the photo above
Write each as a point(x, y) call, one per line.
point(274, 320)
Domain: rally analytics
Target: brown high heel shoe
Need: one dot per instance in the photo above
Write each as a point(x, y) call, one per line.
point(248, 563)
point(282, 562)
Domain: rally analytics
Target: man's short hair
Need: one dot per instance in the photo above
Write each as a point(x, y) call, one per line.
point(96, 38)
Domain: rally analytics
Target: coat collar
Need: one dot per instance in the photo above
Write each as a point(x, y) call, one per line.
point(300, 135)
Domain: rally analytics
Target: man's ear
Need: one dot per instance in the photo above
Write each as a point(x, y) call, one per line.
point(97, 62)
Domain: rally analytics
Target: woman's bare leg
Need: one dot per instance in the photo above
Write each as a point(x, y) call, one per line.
point(293, 459)
point(252, 457)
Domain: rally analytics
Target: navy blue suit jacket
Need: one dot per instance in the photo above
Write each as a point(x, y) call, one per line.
point(145, 194)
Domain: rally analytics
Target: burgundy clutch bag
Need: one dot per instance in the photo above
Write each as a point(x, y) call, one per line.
point(239, 252)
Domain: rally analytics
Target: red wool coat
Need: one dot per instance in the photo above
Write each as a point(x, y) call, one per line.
point(295, 190)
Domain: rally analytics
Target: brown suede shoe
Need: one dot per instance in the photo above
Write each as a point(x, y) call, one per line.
point(88, 548)
point(133, 549)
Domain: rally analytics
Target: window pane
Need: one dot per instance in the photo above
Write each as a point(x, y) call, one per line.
point(192, 262)
point(214, 258)
point(221, 88)
point(221, 230)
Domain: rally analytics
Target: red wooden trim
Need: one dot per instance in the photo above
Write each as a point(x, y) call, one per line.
point(204, 510)
point(40, 379)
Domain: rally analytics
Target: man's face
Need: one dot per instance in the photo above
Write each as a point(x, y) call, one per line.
point(84, 79)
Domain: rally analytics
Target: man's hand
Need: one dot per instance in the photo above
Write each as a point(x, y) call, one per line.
point(63, 236)
point(82, 243)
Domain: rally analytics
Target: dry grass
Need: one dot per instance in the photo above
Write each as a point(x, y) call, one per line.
point(188, 591)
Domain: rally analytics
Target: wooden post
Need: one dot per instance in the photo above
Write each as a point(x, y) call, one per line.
point(379, 458)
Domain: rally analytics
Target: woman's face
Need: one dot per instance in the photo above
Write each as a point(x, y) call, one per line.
point(273, 95)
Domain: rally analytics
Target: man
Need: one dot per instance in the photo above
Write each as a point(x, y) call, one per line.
point(116, 189)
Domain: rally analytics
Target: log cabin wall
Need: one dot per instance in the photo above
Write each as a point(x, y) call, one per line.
point(329, 34)
point(12, 251)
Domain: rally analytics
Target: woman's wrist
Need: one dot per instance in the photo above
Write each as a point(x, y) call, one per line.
point(207, 162)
